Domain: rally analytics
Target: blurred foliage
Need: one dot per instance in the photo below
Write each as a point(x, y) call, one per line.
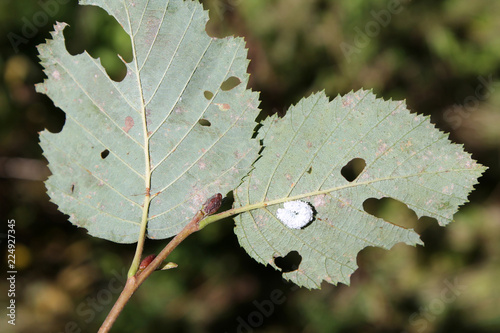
point(443, 57)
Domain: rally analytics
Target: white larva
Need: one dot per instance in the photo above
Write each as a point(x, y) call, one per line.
point(295, 214)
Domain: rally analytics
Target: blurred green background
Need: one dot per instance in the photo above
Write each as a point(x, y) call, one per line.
point(443, 57)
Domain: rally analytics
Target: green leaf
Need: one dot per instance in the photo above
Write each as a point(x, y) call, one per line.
point(168, 127)
point(406, 159)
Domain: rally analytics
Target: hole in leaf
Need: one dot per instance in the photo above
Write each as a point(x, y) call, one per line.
point(289, 263)
point(104, 153)
point(353, 169)
point(220, 25)
point(55, 117)
point(204, 122)
point(435, 239)
point(95, 31)
point(208, 94)
point(391, 210)
point(230, 83)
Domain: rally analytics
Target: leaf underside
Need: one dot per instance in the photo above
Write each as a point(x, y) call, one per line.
point(169, 112)
point(172, 129)
point(406, 159)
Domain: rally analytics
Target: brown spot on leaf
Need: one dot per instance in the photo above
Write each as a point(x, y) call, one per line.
point(129, 123)
point(223, 106)
point(320, 200)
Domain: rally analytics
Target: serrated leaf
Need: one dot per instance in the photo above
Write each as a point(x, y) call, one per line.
point(167, 128)
point(406, 159)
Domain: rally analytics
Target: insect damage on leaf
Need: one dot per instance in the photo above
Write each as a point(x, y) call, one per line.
point(392, 152)
point(180, 122)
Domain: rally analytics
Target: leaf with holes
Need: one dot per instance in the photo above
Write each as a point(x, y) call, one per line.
point(178, 126)
point(404, 158)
